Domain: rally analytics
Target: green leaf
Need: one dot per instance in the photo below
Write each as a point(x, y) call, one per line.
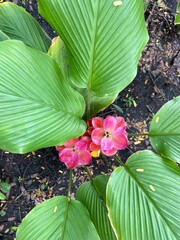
point(143, 198)
point(177, 19)
point(2, 197)
point(146, 3)
point(59, 52)
point(3, 36)
point(118, 108)
point(96, 103)
point(165, 130)
point(57, 219)
point(93, 195)
point(5, 187)
point(17, 24)
point(37, 107)
point(104, 42)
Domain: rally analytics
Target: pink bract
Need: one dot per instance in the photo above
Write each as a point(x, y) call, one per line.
point(110, 134)
point(75, 153)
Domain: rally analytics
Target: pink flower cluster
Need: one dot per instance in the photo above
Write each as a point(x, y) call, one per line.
point(107, 135)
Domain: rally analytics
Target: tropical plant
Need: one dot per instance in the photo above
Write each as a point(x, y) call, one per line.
point(47, 93)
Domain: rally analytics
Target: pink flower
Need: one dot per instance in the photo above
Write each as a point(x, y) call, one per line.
point(74, 153)
point(110, 134)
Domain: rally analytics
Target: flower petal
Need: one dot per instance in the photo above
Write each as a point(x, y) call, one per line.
point(120, 122)
point(93, 147)
point(97, 135)
point(120, 140)
point(70, 143)
point(74, 161)
point(97, 122)
point(109, 124)
point(112, 152)
point(65, 155)
point(86, 139)
point(107, 144)
point(84, 158)
point(95, 154)
point(60, 148)
point(80, 146)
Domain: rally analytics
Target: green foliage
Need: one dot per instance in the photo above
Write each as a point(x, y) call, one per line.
point(57, 218)
point(143, 198)
point(37, 107)
point(146, 3)
point(165, 130)
point(3, 36)
point(177, 17)
point(17, 24)
point(103, 50)
point(93, 196)
point(46, 91)
point(4, 188)
point(129, 101)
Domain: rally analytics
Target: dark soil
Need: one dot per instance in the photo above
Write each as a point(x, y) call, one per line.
point(37, 176)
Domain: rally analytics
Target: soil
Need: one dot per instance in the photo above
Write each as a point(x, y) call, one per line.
point(37, 176)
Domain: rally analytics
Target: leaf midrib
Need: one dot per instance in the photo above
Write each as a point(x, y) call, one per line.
point(65, 217)
point(147, 196)
point(163, 134)
point(92, 50)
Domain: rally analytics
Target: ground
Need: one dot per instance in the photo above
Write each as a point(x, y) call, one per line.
point(37, 176)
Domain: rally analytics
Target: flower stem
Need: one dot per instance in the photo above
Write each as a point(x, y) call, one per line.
point(106, 160)
point(118, 159)
point(89, 174)
point(70, 184)
point(138, 134)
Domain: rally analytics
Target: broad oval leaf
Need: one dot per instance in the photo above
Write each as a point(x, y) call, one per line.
point(93, 196)
point(17, 24)
point(104, 41)
point(59, 52)
point(165, 130)
point(37, 107)
point(143, 198)
point(57, 219)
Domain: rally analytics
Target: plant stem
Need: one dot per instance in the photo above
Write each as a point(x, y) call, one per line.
point(137, 134)
point(106, 160)
point(70, 184)
point(89, 174)
point(118, 159)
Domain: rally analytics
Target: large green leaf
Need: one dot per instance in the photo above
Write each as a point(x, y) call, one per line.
point(59, 52)
point(93, 196)
point(143, 198)
point(57, 219)
point(17, 24)
point(3, 36)
point(37, 107)
point(104, 41)
point(165, 130)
